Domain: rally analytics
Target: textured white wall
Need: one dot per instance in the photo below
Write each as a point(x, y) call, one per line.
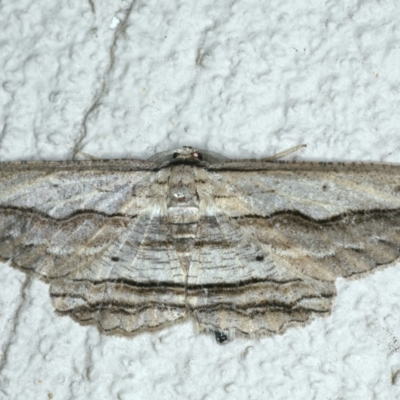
point(244, 78)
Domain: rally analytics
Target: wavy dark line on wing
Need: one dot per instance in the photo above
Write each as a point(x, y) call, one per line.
point(123, 308)
point(167, 285)
point(27, 212)
point(335, 218)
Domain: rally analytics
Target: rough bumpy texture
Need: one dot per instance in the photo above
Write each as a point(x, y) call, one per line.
point(128, 79)
point(248, 247)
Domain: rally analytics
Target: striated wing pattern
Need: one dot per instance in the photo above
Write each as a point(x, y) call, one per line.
point(248, 247)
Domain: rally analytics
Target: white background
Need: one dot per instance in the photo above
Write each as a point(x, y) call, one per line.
point(123, 79)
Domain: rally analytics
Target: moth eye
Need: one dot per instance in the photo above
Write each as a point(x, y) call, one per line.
point(175, 155)
point(259, 258)
point(115, 259)
point(197, 155)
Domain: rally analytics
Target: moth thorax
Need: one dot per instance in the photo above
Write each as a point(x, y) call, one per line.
point(181, 194)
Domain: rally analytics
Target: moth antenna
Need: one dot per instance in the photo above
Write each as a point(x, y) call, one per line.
point(285, 152)
point(86, 155)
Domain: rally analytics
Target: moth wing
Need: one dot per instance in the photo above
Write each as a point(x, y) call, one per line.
point(237, 285)
point(319, 191)
point(99, 239)
point(61, 189)
point(268, 254)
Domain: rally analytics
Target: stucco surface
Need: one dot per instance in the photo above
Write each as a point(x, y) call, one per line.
point(243, 78)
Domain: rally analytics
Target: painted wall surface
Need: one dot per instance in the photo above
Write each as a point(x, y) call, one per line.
point(244, 78)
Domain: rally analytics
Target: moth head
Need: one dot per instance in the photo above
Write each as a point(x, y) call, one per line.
point(187, 154)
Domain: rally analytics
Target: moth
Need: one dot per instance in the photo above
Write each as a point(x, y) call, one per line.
point(243, 247)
